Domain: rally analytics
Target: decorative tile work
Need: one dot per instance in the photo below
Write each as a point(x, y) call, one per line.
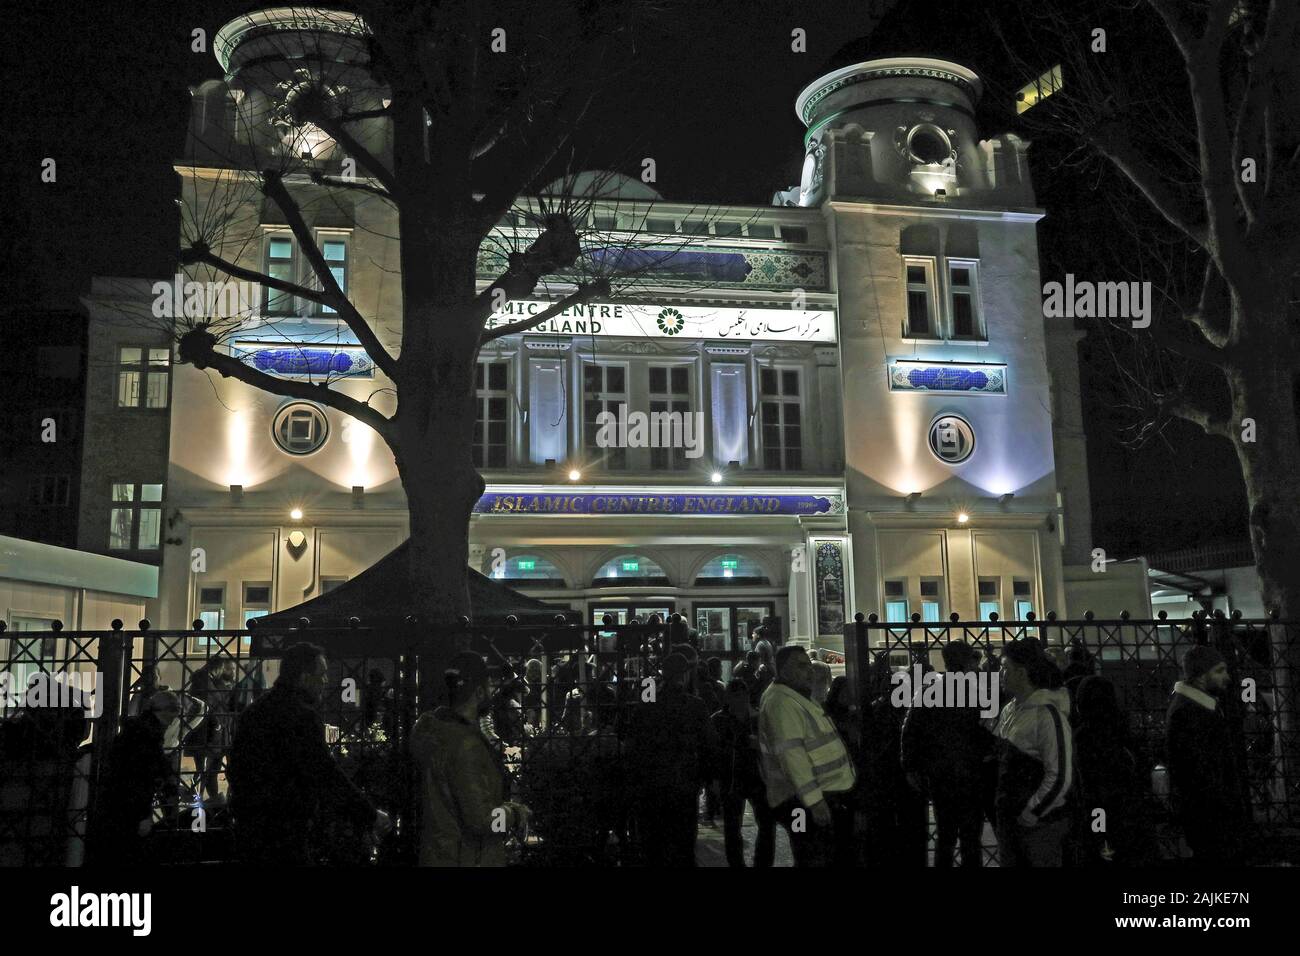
point(710, 268)
point(909, 376)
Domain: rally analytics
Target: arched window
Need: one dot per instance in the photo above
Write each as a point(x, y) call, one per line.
point(524, 570)
point(731, 570)
point(629, 569)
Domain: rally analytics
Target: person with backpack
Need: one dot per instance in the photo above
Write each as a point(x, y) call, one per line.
point(1035, 759)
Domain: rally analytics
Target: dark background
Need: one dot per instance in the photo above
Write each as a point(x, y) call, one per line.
point(103, 89)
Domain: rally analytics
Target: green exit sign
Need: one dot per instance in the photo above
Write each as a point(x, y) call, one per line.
point(730, 563)
point(631, 565)
point(527, 564)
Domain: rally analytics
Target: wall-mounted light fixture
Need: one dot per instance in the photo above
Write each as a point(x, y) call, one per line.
point(716, 477)
point(297, 542)
point(296, 514)
point(962, 517)
point(236, 494)
point(1005, 500)
point(574, 474)
point(358, 496)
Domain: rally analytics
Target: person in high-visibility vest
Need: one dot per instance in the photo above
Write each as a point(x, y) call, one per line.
point(805, 765)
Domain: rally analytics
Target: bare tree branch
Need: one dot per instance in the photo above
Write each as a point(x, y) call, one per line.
point(585, 293)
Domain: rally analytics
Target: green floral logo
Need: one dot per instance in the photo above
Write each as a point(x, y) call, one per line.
point(670, 321)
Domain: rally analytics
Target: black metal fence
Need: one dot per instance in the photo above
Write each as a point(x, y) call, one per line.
point(562, 695)
point(1142, 660)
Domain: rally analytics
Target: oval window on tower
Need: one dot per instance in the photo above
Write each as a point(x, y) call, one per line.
point(928, 145)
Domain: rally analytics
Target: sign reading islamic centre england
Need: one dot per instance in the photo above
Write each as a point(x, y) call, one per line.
point(641, 320)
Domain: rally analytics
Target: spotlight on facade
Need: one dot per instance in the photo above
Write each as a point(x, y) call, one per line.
point(296, 514)
point(358, 496)
point(962, 517)
point(550, 463)
point(913, 498)
point(717, 477)
point(941, 194)
point(1006, 499)
point(574, 474)
point(236, 494)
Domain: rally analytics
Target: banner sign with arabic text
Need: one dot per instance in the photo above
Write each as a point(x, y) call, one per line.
point(638, 320)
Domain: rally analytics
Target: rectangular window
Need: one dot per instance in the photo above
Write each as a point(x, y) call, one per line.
point(279, 265)
point(257, 602)
point(604, 388)
point(492, 404)
point(781, 418)
point(50, 491)
point(1024, 599)
point(128, 377)
point(131, 511)
point(1039, 89)
point(794, 233)
point(760, 231)
point(931, 599)
point(989, 594)
point(964, 296)
point(157, 378)
point(335, 251)
point(328, 584)
point(212, 607)
point(670, 394)
point(919, 274)
point(896, 602)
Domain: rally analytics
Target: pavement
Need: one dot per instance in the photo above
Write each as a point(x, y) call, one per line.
point(710, 847)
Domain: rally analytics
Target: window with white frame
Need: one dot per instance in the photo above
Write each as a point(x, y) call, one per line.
point(670, 393)
point(963, 300)
point(143, 377)
point(135, 519)
point(1024, 594)
point(921, 317)
point(492, 406)
point(604, 388)
point(334, 249)
point(896, 602)
point(283, 262)
point(279, 265)
point(931, 599)
point(989, 597)
point(781, 418)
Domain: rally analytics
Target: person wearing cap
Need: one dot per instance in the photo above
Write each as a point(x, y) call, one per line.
point(805, 765)
point(467, 817)
point(1203, 770)
point(670, 750)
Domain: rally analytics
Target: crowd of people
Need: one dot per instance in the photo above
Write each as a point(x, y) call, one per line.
point(849, 776)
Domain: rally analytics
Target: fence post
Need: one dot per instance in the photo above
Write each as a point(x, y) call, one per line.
point(111, 655)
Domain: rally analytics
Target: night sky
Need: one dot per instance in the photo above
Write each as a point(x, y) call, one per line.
point(102, 88)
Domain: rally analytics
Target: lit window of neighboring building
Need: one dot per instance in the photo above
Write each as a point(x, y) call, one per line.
point(670, 392)
point(492, 405)
point(781, 411)
point(604, 389)
point(135, 519)
point(143, 377)
point(1034, 92)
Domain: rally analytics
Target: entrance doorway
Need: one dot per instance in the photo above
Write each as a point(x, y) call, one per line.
point(725, 628)
point(623, 613)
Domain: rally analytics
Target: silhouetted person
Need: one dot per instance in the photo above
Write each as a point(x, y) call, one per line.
point(1035, 759)
point(283, 780)
point(207, 743)
point(467, 817)
point(1108, 779)
point(1203, 769)
point(137, 770)
point(943, 751)
point(842, 708)
point(897, 821)
point(38, 773)
point(669, 744)
point(739, 778)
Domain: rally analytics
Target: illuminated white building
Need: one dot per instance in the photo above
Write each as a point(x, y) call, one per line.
point(887, 420)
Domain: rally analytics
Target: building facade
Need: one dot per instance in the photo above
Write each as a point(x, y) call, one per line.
point(845, 400)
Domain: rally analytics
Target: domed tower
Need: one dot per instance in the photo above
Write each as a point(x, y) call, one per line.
point(952, 492)
point(903, 129)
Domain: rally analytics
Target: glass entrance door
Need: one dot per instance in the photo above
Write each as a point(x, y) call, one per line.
point(624, 613)
point(725, 628)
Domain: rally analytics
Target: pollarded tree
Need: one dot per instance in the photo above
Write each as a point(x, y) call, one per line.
point(436, 122)
point(1196, 104)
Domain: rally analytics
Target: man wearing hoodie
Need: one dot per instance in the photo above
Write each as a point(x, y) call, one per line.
point(1035, 759)
point(467, 817)
point(1202, 767)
